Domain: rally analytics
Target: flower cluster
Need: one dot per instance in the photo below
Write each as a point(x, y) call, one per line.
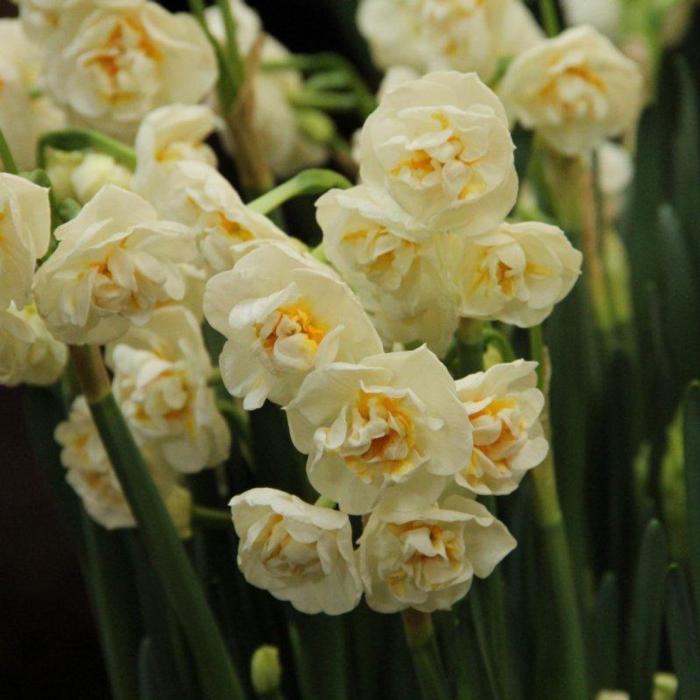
point(390, 436)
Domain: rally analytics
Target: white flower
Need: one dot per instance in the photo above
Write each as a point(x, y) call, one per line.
point(296, 551)
point(25, 231)
point(504, 407)
point(173, 133)
point(24, 113)
point(395, 270)
point(516, 274)
point(440, 146)
point(81, 174)
point(426, 558)
point(604, 15)
point(114, 263)
point(575, 90)
point(90, 474)
point(28, 352)
point(284, 315)
point(284, 146)
point(615, 169)
point(197, 195)
point(160, 383)
point(465, 35)
point(391, 420)
point(125, 59)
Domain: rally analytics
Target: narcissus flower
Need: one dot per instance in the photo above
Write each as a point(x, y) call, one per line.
point(504, 407)
point(296, 551)
point(284, 315)
point(124, 59)
point(114, 263)
point(575, 90)
point(28, 352)
point(516, 274)
point(90, 474)
point(441, 147)
point(197, 195)
point(389, 421)
point(465, 35)
point(394, 269)
point(160, 383)
point(25, 113)
point(25, 230)
point(427, 558)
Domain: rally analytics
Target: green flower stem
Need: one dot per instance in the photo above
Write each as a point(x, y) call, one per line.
point(232, 53)
point(324, 502)
point(211, 517)
point(420, 637)
point(85, 140)
point(6, 156)
point(556, 549)
point(550, 18)
point(326, 101)
point(162, 543)
point(313, 181)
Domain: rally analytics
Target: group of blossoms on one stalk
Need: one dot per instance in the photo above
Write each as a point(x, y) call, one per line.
point(420, 243)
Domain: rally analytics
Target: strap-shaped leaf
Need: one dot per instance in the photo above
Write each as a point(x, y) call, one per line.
point(691, 448)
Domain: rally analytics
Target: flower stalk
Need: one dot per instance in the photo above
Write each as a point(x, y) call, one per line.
point(420, 637)
point(312, 181)
point(6, 156)
point(85, 140)
point(167, 554)
point(550, 18)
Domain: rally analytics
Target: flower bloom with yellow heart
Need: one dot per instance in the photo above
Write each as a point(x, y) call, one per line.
point(504, 407)
point(284, 315)
point(114, 263)
point(427, 558)
point(28, 352)
point(296, 551)
point(390, 422)
point(574, 90)
point(120, 60)
point(160, 383)
point(441, 148)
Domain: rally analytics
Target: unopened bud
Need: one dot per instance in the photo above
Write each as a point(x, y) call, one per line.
point(265, 670)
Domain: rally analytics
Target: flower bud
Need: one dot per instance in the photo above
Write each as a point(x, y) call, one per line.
point(265, 670)
point(665, 686)
point(673, 495)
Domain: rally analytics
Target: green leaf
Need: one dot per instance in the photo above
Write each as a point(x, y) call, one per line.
point(683, 635)
point(647, 612)
point(604, 635)
point(149, 686)
point(691, 450)
point(115, 607)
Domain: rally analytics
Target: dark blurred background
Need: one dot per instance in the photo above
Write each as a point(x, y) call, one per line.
point(48, 645)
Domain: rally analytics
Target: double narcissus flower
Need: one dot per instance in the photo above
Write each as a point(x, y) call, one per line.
point(284, 315)
point(391, 421)
point(114, 263)
point(298, 552)
point(574, 90)
point(160, 382)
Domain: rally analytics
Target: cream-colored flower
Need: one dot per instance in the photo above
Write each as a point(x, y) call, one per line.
point(160, 382)
point(284, 315)
point(90, 474)
point(28, 352)
point(124, 59)
point(604, 15)
point(296, 551)
point(285, 147)
point(516, 274)
point(198, 196)
point(114, 263)
point(394, 269)
point(25, 230)
point(174, 133)
point(504, 407)
point(440, 146)
point(24, 112)
point(426, 558)
point(389, 421)
point(464, 35)
point(575, 90)
point(80, 174)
